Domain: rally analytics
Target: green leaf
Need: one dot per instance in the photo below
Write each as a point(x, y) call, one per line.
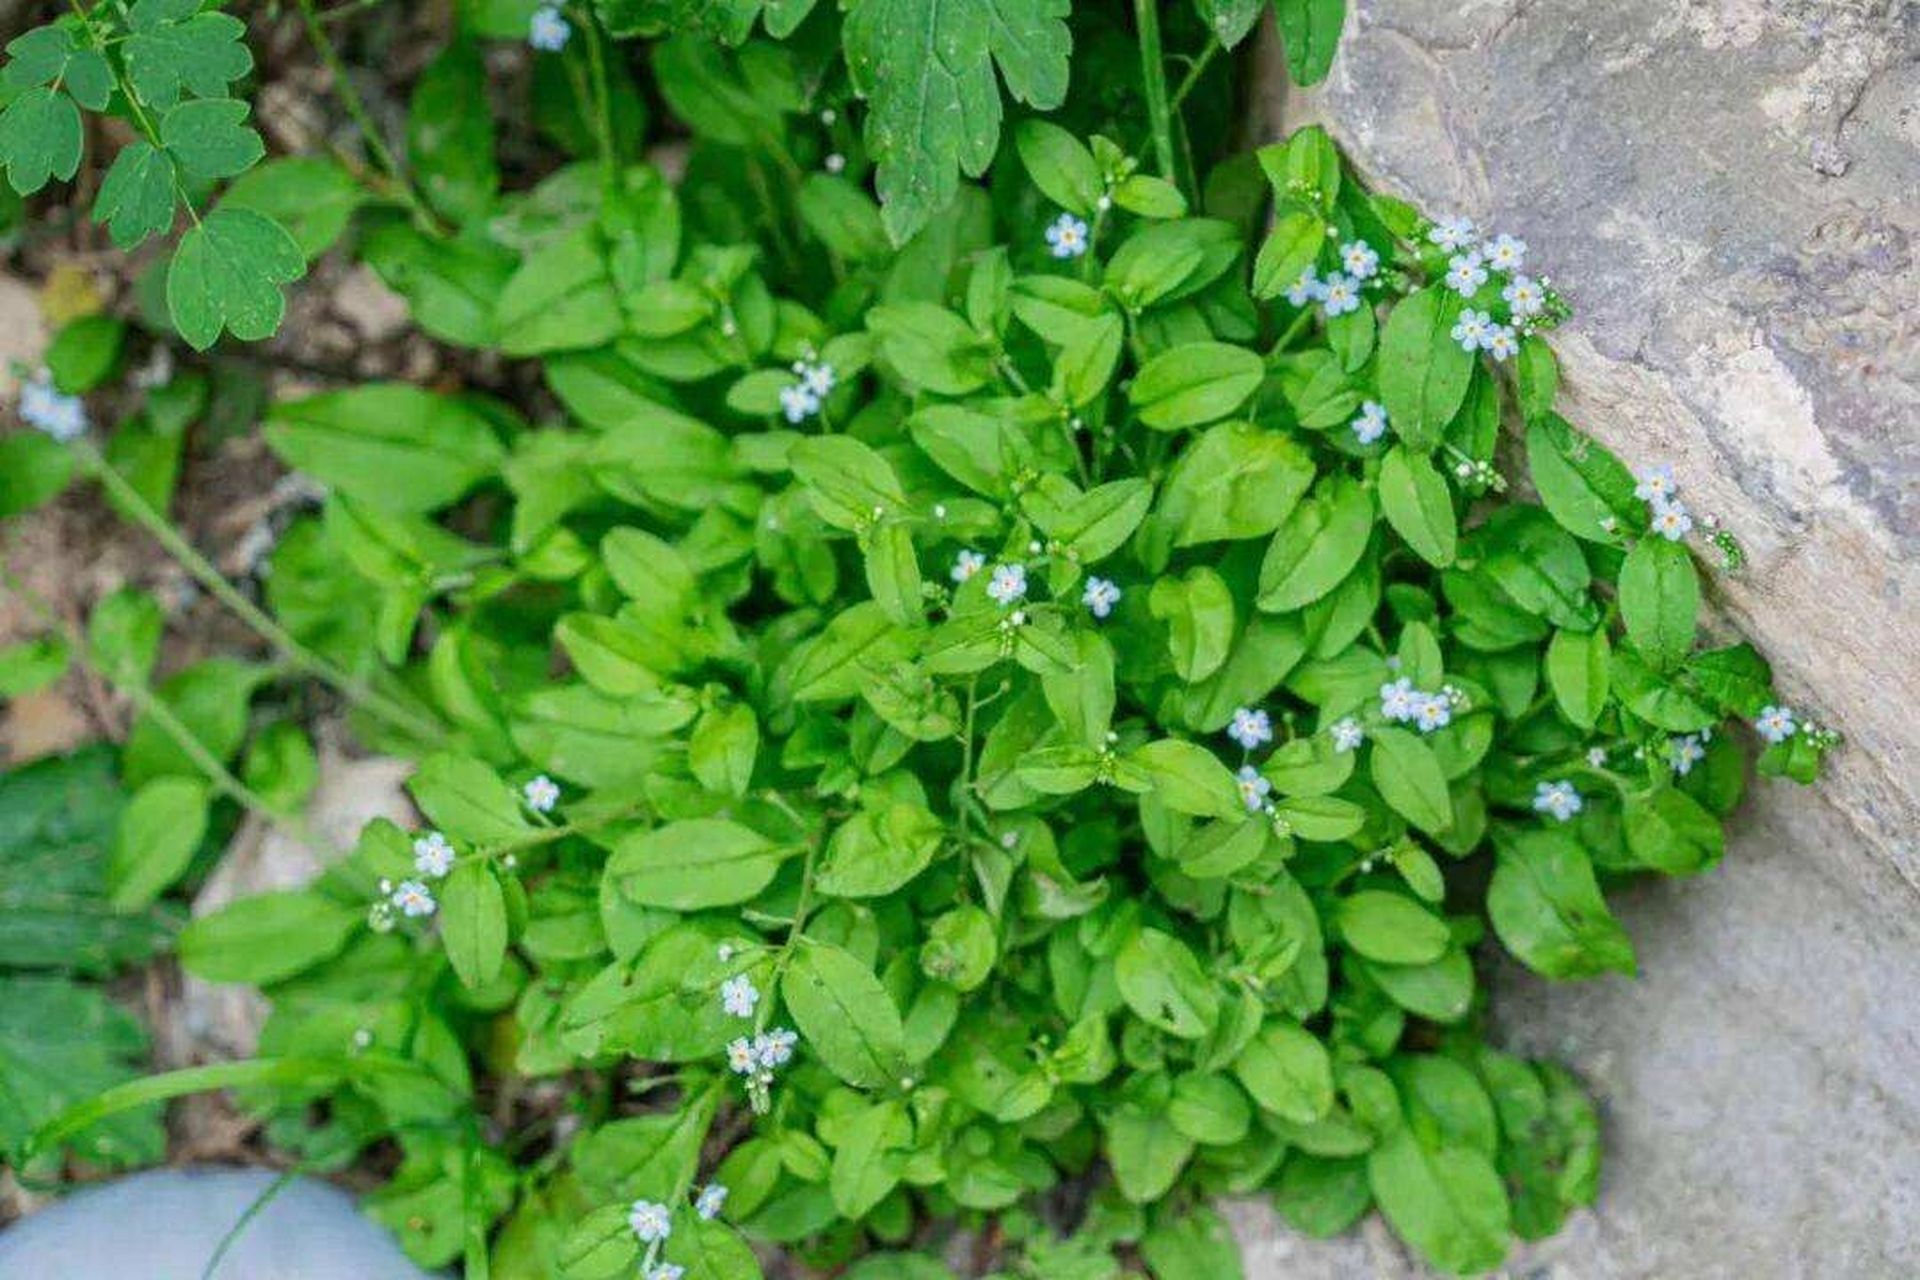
point(395, 447)
point(1230, 20)
point(1316, 546)
point(159, 831)
point(930, 346)
point(1321, 1196)
point(1670, 832)
point(1546, 907)
point(1536, 376)
point(1577, 672)
point(312, 197)
point(473, 922)
point(1235, 481)
point(927, 72)
point(560, 299)
point(869, 1157)
point(34, 468)
point(32, 665)
point(842, 216)
point(1143, 1148)
point(1409, 778)
point(849, 485)
point(226, 275)
point(209, 138)
point(1416, 502)
point(467, 800)
point(450, 144)
point(1063, 169)
point(61, 1044)
point(697, 863)
point(40, 139)
point(1310, 32)
point(1445, 1200)
point(1194, 384)
point(845, 1016)
point(52, 55)
point(723, 747)
point(1423, 371)
point(58, 818)
point(1291, 246)
point(265, 938)
point(137, 196)
point(1660, 601)
point(1588, 490)
point(879, 850)
point(1198, 611)
point(173, 47)
point(1391, 928)
point(1188, 778)
point(1197, 1245)
point(1286, 1069)
point(1165, 986)
point(281, 766)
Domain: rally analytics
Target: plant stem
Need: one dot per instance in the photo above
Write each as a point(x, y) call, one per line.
point(363, 120)
point(296, 654)
point(159, 712)
point(1192, 79)
point(1153, 80)
point(602, 99)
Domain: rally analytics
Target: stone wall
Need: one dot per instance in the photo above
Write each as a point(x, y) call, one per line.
point(1728, 192)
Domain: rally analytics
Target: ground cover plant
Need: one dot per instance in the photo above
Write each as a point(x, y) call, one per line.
point(1008, 705)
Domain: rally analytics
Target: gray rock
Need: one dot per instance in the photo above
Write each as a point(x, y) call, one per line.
point(166, 1225)
point(1725, 190)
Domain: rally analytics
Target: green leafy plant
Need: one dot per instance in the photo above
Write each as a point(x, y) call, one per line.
point(902, 730)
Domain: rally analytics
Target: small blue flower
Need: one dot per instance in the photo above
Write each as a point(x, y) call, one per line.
point(1100, 596)
point(1452, 233)
point(1339, 295)
point(1360, 260)
point(1067, 236)
point(1558, 800)
point(61, 416)
point(1775, 724)
point(1372, 422)
point(548, 31)
point(1671, 519)
point(1251, 727)
point(1504, 252)
point(1465, 274)
point(1307, 288)
point(1253, 787)
point(1524, 295)
point(1472, 328)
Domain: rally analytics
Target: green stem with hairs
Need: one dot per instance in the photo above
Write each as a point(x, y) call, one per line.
point(1153, 80)
point(163, 717)
point(297, 655)
point(363, 119)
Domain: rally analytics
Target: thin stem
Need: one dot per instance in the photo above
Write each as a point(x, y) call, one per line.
point(158, 712)
point(602, 98)
point(1153, 79)
point(291, 650)
point(801, 907)
point(1191, 80)
point(362, 119)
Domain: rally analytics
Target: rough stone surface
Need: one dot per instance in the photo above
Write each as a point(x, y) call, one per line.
point(166, 1224)
point(1726, 191)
